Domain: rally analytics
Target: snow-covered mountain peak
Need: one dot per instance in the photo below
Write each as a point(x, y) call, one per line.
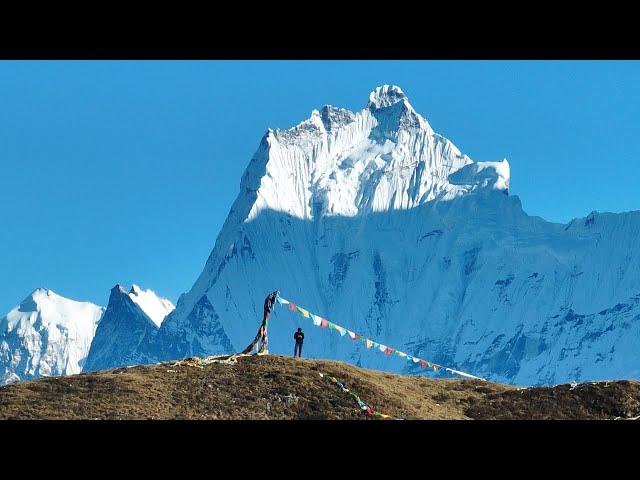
point(46, 334)
point(336, 162)
point(334, 118)
point(31, 301)
point(41, 293)
point(385, 96)
point(44, 300)
point(131, 317)
point(391, 107)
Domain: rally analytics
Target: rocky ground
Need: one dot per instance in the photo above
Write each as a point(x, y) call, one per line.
point(286, 388)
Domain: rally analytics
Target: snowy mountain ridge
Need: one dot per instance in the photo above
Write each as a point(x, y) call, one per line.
point(49, 335)
point(46, 335)
point(385, 157)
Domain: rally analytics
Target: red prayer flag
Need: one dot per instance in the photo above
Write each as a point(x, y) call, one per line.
point(324, 323)
point(292, 307)
point(356, 336)
point(423, 364)
point(388, 351)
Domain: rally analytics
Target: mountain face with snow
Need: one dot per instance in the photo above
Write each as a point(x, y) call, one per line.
point(153, 305)
point(46, 335)
point(131, 319)
point(376, 222)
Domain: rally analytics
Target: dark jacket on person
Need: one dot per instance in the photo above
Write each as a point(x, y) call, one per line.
point(299, 337)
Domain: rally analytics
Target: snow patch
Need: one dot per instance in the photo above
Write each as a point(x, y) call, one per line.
point(155, 306)
point(494, 175)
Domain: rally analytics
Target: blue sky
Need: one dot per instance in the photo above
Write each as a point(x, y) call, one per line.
point(121, 172)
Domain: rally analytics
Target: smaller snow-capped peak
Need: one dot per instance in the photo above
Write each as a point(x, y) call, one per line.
point(155, 306)
point(53, 308)
point(46, 334)
point(132, 317)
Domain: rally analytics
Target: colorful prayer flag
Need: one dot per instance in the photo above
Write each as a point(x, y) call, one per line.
point(319, 321)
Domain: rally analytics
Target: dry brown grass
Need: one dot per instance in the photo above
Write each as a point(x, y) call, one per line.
point(273, 387)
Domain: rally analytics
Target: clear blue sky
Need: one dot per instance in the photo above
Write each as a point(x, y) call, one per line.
point(121, 172)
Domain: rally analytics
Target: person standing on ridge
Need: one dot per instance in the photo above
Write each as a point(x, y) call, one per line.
point(299, 338)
